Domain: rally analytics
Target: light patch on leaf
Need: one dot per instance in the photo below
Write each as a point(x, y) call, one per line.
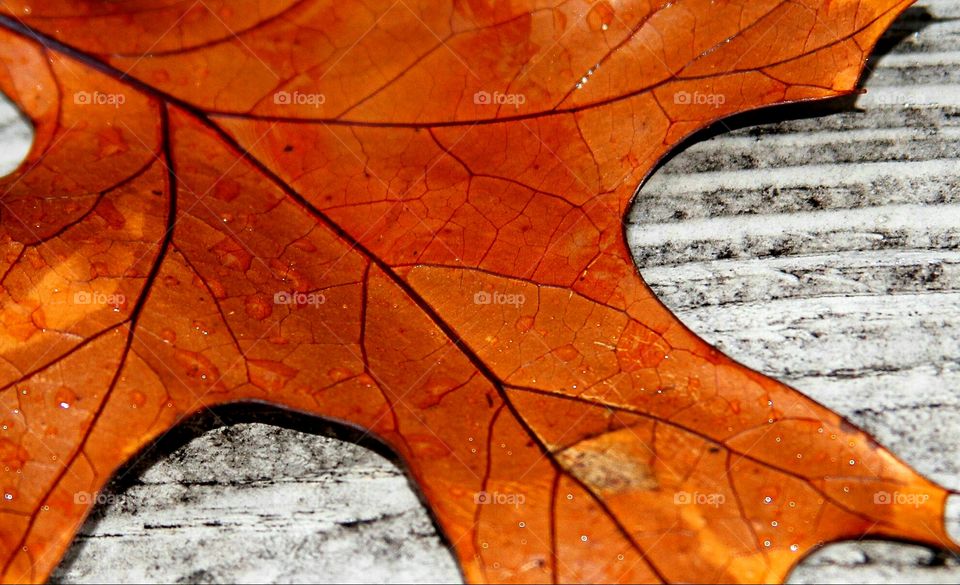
point(611, 463)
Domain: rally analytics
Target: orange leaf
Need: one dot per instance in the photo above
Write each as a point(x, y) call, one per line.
point(406, 215)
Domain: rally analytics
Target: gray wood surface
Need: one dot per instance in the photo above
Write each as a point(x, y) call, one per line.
point(823, 250)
